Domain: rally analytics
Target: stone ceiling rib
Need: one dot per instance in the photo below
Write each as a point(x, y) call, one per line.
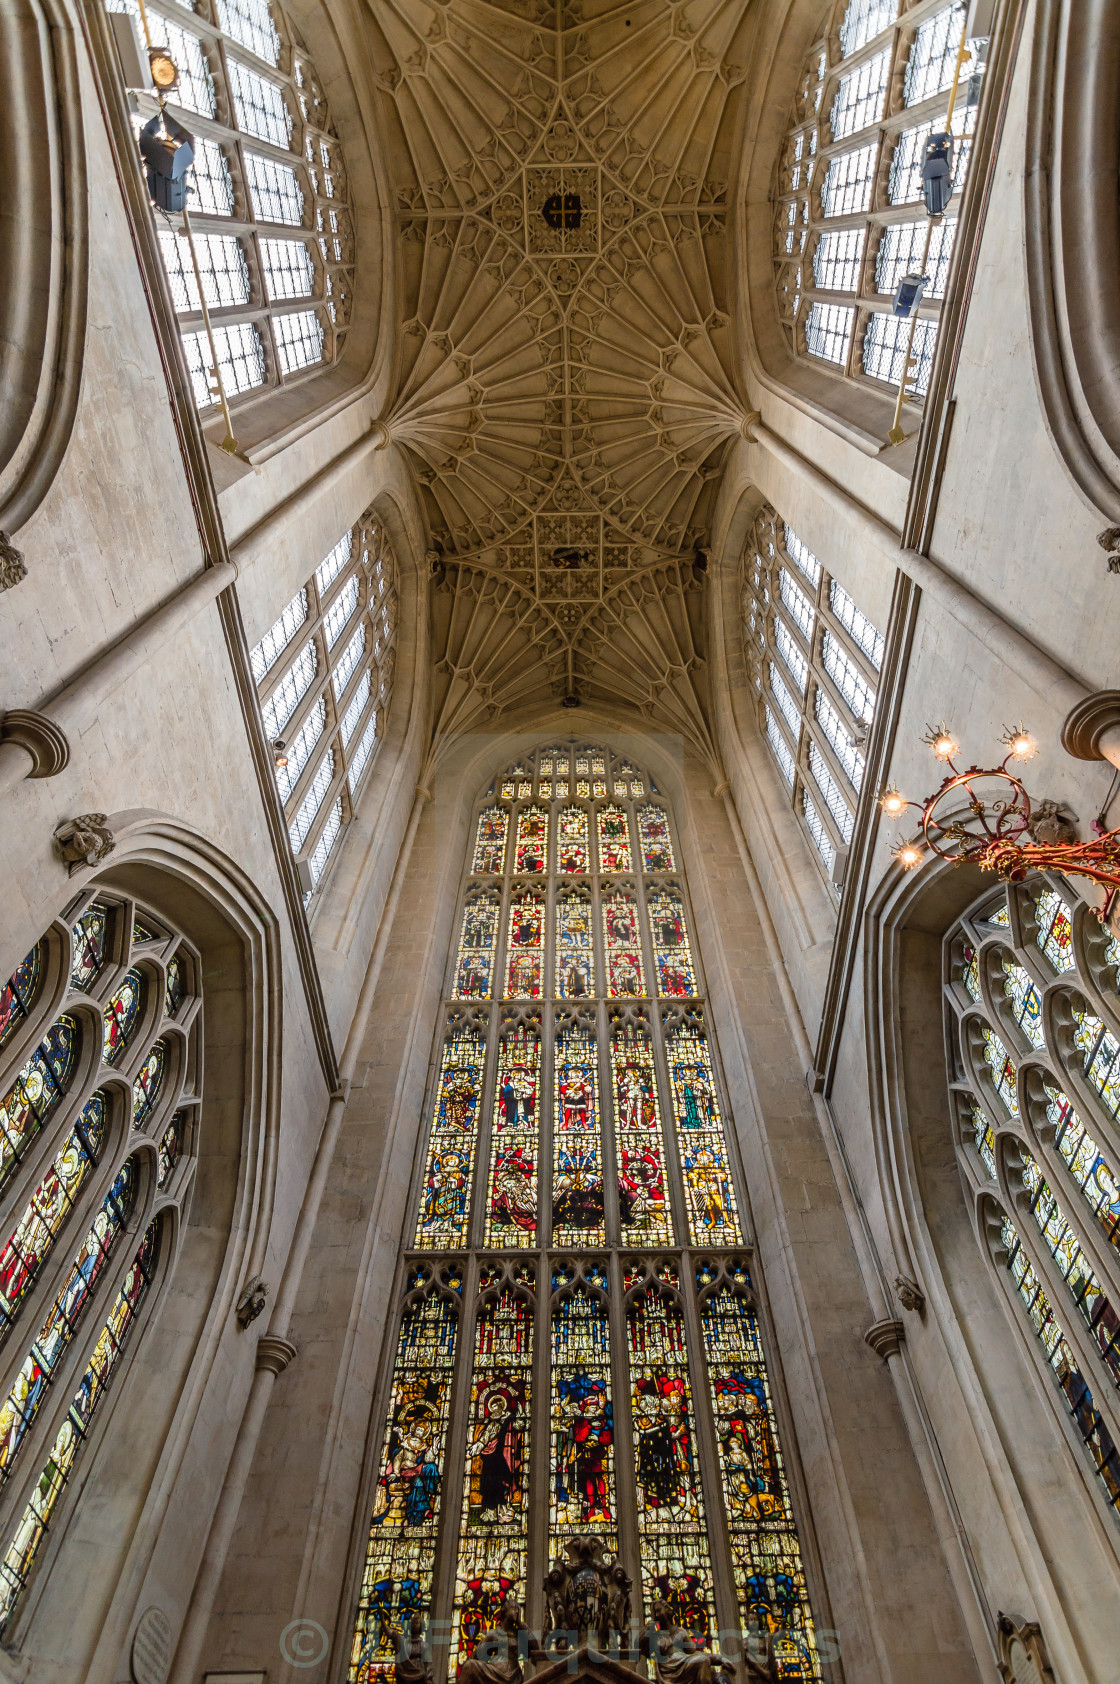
point(566, 388)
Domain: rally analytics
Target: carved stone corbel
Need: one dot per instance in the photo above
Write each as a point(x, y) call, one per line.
point(13, 568)
point(885, 1337)
point(83, 840)
point(45, 742)
point(1088, 723)
point(274, 1354)
point(1022, 1656)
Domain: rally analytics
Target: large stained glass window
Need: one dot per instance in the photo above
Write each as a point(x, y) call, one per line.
point(1034, 1023)
point(578, 1348)
point(98, 1066)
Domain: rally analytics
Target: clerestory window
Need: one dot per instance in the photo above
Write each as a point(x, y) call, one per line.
point(324, 675)
point(849, 216)
point(579, 1347)
point(814, 660)
point(269, 204)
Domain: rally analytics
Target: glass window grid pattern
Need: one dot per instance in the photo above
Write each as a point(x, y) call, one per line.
point(102, 1132)
point(564, 1285)
point(856, 189)
point(255, 188)
point(814, 684)
point(324, 674)
point(1046, 1156)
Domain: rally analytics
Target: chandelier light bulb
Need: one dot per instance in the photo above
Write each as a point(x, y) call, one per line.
point(944, 746)
point(892, 802)
point(908, 856)
point(1020, 744)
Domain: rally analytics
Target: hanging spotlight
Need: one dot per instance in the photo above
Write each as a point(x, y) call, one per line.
point(167, 149)
point(909, 293)
point(279, 753)
point(164, 70)
point(937, 173)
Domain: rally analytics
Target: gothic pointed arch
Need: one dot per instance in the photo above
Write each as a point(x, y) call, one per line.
point(578, 1346)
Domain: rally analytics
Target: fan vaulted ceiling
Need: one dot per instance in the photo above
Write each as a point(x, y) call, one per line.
point(565, 388)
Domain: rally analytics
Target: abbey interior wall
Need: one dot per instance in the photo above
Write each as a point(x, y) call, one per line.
point(938, 1495)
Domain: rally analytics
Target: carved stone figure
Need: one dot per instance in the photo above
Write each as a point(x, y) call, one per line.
point(1051, 821)
point(84, 840)
point(13, 568)
point(251, 1302)
point(412, 1668)
point(910, 1294)
point(677, 1656)
point(586, 1595)
point(497, 1658)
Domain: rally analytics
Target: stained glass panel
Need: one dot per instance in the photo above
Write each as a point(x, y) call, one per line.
point(712, 1215)
point(671, 1524)
point(1099, 1186)
point(122, 1014)
point(175, 988)
point(513, 1202)
point(493, 1541)
point(625, 970)
point(19, 991)
point(1065, 1248)
point(400, 1554)
point(656, 842)
point(525, 960)
point(478, 936)
point(577, 1175)
point(1063, 1361)
point(571, 840)
point(33, 1237)
point(581, 1469)
point(88, 955)
point(532, 840)
point(984, 1140)
point(446, 1195)
point(170, 1149)
point(614, 839)
point(769, 1574)
point(575, 957)
point(1003, 1072)
point(146, 1087)
point(490, 841)
point(642, 1199)
point(971, 976)
point(1026, 1001)
point(36, 1091)
point(672, 952)
point(71, 1435)
point(1101, 1050)
point(63, 1319)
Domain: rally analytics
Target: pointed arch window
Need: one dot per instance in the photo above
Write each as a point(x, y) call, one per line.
point(100, 1094)
point(1032, 1009)
point(324, 675)
point(578, 1272)
point(814, 660)
point(270, 205)
point(849, 220)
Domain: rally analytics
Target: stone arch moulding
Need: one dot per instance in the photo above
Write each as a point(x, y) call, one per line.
point(1072, 220)
point(182, 878)
point(43, 227)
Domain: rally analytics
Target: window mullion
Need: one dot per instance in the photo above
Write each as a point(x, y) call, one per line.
point(480, 1185)
point(625, 1458)
point(719, 1533)
point(446, 1552)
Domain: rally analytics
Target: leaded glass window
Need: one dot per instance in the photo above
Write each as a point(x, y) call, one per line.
point(324, 675)
point(578, 1346)
point(1033, 1017)
point(852, 154)
point(99, 1117)
point(816, 700)
point(269, 207)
